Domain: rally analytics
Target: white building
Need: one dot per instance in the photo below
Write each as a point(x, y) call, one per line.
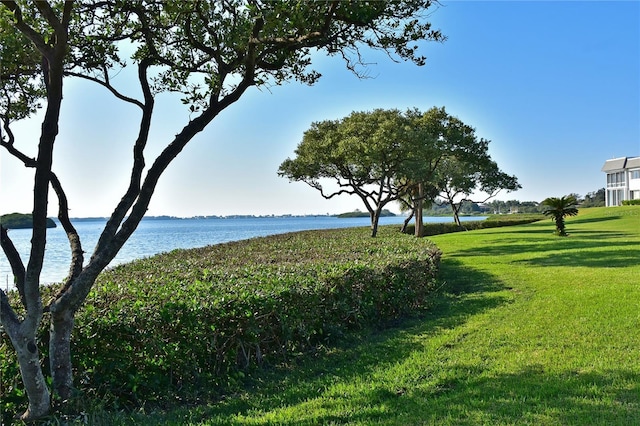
point(623, 180)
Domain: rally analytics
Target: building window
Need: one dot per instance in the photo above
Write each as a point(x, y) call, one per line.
point(634, 195)
point(616, 179)
point(615, 197)
point(635, 174)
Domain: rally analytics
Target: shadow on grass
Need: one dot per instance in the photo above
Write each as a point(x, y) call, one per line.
point(462, 394)
point(550, 233)
point(531, 396)
point(556, 246)
point(593, 219)
point(365, 352)
point(602, 258)
point(567, 398)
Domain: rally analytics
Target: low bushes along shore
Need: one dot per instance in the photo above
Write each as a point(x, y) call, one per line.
point(188, 324)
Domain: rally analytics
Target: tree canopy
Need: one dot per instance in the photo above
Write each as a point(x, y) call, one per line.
point(210, 53)
point(362, 154)
point(386, 155)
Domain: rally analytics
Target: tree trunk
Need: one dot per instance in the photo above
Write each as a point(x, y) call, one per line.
point(60, 353)
point(419, 231)
point(456, 214)
point(375, 218)
point(560, 229)
point(407, 220)
point(31, 371)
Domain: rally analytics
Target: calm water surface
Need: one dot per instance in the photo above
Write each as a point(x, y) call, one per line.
point(155, 236)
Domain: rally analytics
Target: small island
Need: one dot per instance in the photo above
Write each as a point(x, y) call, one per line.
point(358, 213)
point(21, 221)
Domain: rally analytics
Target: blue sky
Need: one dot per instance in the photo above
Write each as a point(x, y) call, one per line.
point(554, 85)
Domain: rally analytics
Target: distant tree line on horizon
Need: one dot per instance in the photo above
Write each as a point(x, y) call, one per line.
point(442, 208)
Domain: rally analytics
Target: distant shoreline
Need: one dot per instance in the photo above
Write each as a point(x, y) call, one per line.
point(22, 221)
point(239, 216)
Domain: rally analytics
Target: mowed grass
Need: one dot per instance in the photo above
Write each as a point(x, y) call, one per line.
point(528, 328)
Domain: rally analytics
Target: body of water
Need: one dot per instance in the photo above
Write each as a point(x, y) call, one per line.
point(155, 236)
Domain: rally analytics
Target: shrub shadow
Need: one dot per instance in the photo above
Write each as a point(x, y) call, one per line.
point(360, 354)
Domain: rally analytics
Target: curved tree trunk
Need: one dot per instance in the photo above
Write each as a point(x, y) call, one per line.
point(406, 221)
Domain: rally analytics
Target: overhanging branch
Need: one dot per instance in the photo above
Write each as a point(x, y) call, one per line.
point(108, 86)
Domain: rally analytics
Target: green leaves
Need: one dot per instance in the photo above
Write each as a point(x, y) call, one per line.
point(209, 50)
point(558, 209)
point(194, 321)
point(21, 89)
point(363, 154)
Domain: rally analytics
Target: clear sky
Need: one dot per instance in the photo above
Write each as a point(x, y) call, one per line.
point(554, 85)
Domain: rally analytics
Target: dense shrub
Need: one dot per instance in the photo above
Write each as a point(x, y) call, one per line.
point(492, 222)
point(635, 202)
point(176, 326)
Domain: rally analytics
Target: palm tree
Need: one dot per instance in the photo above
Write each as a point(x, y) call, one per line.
point(558, 209)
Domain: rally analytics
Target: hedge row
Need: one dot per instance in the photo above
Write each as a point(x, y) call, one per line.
point(447, 228)
point(635, 202)
point(176, 326)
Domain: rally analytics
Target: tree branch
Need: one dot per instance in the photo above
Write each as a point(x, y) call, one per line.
point(133, 191)
point(17, 267)
point(108, 86)
point(29, 32)
point(77, 255)
point(45, 9)
point(26, 160)
point(8, 316)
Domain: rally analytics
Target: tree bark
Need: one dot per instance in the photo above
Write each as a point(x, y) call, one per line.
point(23, 333)
point(407, 220)
point(34, 382)
point(60, 353)
point(375, 218)
point(419, 231)
point(456, 215)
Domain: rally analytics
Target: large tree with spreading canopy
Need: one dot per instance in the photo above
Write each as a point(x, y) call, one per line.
point(209, 52)
point(455, 166)
point(361, 154)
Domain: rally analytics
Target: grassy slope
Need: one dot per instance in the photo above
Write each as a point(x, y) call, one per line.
point(530, 329)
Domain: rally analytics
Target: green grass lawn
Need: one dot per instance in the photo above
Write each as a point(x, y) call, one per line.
point(528, 328)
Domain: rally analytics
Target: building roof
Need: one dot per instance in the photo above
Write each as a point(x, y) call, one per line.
point(614, 164)
point(633, 162)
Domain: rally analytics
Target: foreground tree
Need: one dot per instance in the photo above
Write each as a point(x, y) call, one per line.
point(558, 209)
point(211, 53)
